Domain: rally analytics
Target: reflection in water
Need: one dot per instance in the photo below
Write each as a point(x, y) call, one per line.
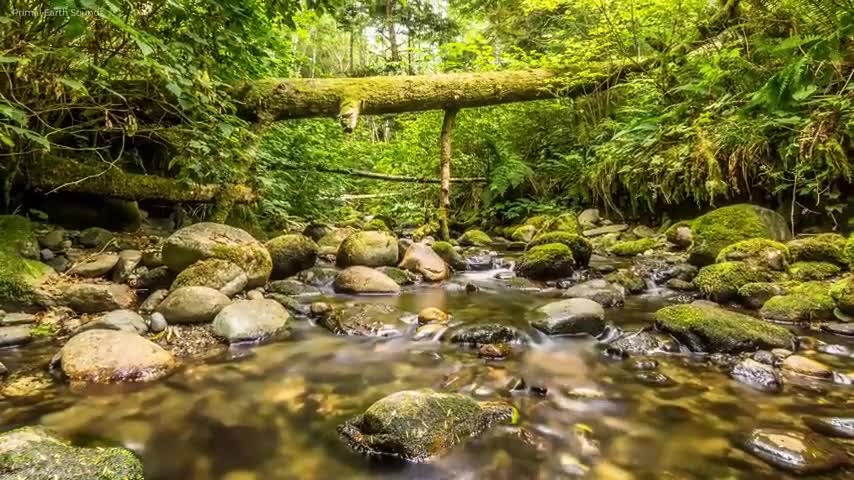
point(270, 412)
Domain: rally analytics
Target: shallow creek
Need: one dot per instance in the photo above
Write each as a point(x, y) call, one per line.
point(270, 411)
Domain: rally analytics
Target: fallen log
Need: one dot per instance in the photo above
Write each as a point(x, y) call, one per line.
point(51, 174)
point(382, 176)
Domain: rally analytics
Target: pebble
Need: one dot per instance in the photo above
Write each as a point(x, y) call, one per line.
point(806, 366)
point(757, 375)
point(3, 369)
point(797, 452)
point(495, 351)
point(255, 295)
point(157, 322)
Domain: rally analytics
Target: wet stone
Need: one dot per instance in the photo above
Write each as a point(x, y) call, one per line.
point(157, 322)
point(14, 336)
point(654, 379)
point(126, 320)
point(839, 328)
point(574, 316)
point(766, 357)
point(11, 319)
point(495, 351)
point(642, 364)
point(486, 333)
point(806, 366)
point(796, 452)
point(757, 375)
point(842, 427)
point(641, 343)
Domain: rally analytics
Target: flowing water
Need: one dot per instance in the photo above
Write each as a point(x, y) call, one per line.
point(270, 411)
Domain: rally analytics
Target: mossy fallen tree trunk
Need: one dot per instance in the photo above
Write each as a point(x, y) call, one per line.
point(51, 174)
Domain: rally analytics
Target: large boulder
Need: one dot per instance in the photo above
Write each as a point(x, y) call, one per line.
point(113, 356)
point(33, 453)
point(192, 305)
point(93, 297)
point(824, 247)
point(360, 279)
point(727, 225)
point(450, 255)
point(546, 262)
point(329, 243)
point(759, 252)
point(363, 320)
point(421, 258)
point(565, 222)
point(417, 425)
point(19, 275)
point(215, 273)
point(291, 254)
point(721, 281)
point(807, 271)
point(573, 316)
point(250, 320)
point(369, 249)
point(802, 303)
point(205, 240)
point(705, 328)
point(842, 292)
point(581, 248)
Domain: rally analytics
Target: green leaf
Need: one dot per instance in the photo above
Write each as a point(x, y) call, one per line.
point(174, 89)
point(72, 84)
point(9, 59)
point(144, 47)
point(19, 116)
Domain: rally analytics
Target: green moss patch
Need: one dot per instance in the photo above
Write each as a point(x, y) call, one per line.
point(721, 281)
point(762, 252)
point(475, 238)
point(805, 271)
point(796, 308)
point(18, 275)
point(727, 225)
point(565, 222)
point(452, 257)
point(825, 247)
point(581, 247)
point(545, 262)
point(842, 292)
point(633, 247)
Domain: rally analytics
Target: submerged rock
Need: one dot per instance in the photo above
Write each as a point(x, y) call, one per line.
point(642, 343)
point(599, 290)
point(250, 320)
point(192, 305)
point(704, 328)
point(727, 225)
point(797, 452)
point(432, 315)
point(360, 279)
point(422, 259)
point(33, 453)
point(363, 320)
point(757, 375)
point(477, 335)
point(111, 356)
point(291, 254)
point(369, 248)
point(571, 317)
point(842, 427)
point(806, 366)
point(205, 240)
point(222, 275)
point(417, 425)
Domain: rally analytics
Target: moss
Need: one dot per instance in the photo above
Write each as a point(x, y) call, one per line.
point(581, 247)
point(796, 308)
point(368, 248)
point(545, 262)
point(475, 238)
point(842, 292)
point(717, 229)
point(537, 221)
point(253, 259)
point(712, 329)
point(377, 224)
point(452, 257)
point(419, 424)
point(523, 234)
point(18, 275)
point(400, 276)
point(825, 247)
point(565, 222)
point(628, 279)
point(291, 254)
point(721, 281)
point(31, 453)
point(762, 252)
point(805, 271)
point(755, 294)
point(426, 230)
point(213, 273)
point(849, 251)
point(633, 247)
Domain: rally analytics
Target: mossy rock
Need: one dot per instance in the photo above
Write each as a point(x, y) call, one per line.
point(760, 252)
point(546, 262)
point(370, 249)
point(755, 294)
point(377, 224)
point(34, 454)
point(525, 233)
point(581, 247)
point(475, 238)
point(417, 425)
point(629, 279)
point(537, 221)
point(399, 275)
point(842, 292)
point(18, 275)
point(796, 308)
point(221, 275)
point(849, 251)
point(721, 281)
point(825, 247)
point(633, 247)
point(291, 254)
point(806, 271)
point(17, 237)
point(676, 235)
point(704, 328)
point(429, 229)
point(565, 222)
point(452, 257)
point(727, 225)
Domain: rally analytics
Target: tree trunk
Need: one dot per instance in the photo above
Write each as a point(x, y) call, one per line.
point(445, 158)
point(392, 34)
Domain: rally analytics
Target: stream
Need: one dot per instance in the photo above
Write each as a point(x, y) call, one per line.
point(271, 411)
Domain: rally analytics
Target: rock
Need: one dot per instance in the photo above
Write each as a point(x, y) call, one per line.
point(571, 317)
point(154, 279)
point(318, 276)
point(95, 266)
point(581, 248)
point(642, 231)
point(432, 315)
point(720, 282)
point(654, 379)
point(422, 259)
point(15, 336)
point(796, 308)
point(256, 294)
point(797, 452)
point(546, 262)
point(727, 225)
point(642, 343)
point(589, 217)
point(250, 320)
point(152, 258)
point(595, 232)
point(839, 328)
point(525, 233)
point(332, 241)
point(759, 252)
point(661, 273)
point(452, 257)
point(59, 263)
point(806, 271)
point(755, 294)
point(127, 263)
point(824, 247)
point(110, 356)
point(680, 285)
point(428, 331)
point(482, 334)
point(705, 328)
point(599, 290)
point(96, 297)
point(629, 279)
point(843, 293)
point(95, 237)
point(360, 280)
point(33, 453)
point(842, 427)
point(369, 249)
point(157, 323)
point(291, 254)
point(565, 222)
point(11, 319)
point(222, 275)
point(478, 260)
point(495, 351)
point(52, 240)
point(363, 319)
point(475, 238)
point(292, 288)
point(317, 230)
point(202, 241)
point(192, 305)
point(679, 234)
point(46, 255)
point(757, 375)
point(417, 425)
point(806, 366)
point(126, 320)
point(765, 357)
point(400, 276)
